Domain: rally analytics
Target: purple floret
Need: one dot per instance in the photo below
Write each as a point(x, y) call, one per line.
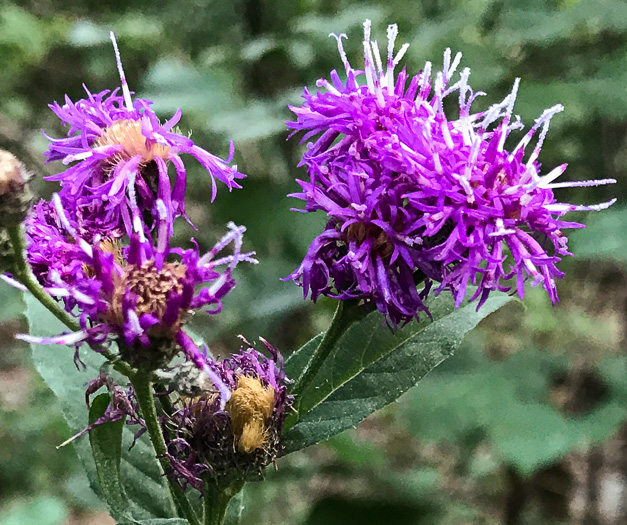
point(414, 197)
point(137, 293)
point(120, 153)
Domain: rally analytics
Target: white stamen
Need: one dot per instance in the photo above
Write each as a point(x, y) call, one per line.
point(424, 78)
point(546, 120)
point(389, 75)
point(581, 183)
point(134, 322)
point(162, 234)
point(78, 156)
point(127, 94)
point(132, 195)
point(225, 393)
point(64, 292)
point(454, 65)
point(400, 54)
point(56, 201)
point(82, 243)
point(65, 339)
point(377, 57)
point(215, 287)
point(447, 135)
point(12, 282)
point(447, 60)
point(579, 207)
point(340, 49)
point(550, 177)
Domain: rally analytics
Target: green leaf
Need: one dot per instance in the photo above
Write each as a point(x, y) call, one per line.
point(106, 446)
point(507, 403)
point(235, 509)
point(371, 367)
point(12, 304)
point(296, 362)
point(141, 474)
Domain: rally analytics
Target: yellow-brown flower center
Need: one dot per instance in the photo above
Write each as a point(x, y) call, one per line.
point(359, 232)
point(128, 134)
point(152, 288)
point(107, 245)
point(250, 406)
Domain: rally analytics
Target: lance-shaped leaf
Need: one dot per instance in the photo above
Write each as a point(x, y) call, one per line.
point(141, 474)
point(106, 446)
point(370, 367)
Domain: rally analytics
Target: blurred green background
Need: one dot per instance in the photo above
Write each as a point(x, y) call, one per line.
point(526, 424)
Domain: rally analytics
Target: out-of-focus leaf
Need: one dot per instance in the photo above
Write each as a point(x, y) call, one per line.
point(163, 521)
point(255, 49)
point(507, 403)
point(340, 22)
point(22, 29)
point(349, 450)
point(86, 33)
point(39, 511)
point(605, 237)
point(173, 83)
point(253, 122)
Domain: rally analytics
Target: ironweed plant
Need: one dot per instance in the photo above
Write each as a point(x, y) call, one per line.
point(435, 220)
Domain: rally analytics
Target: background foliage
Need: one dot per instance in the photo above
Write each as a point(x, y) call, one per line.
point(496, 433)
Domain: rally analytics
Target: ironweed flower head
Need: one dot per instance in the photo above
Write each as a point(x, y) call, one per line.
point(413, 195)
point(119, 154)
point(210, 439)
point(141, 293)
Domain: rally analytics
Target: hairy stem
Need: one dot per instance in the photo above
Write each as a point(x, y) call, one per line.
point(142, 385)
point(216, 501)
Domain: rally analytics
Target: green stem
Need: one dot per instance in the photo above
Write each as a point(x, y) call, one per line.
point(346, 313)
point(23, 274)
point(142, 386)
point(141, 382)
point(216, 501)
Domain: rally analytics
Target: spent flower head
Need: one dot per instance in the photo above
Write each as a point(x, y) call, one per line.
point(209, 438)
point(413, 195)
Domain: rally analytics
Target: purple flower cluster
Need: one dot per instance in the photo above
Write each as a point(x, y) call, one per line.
point(413, 196)
point(209, 438)
point(119, 154)
point(139, 293)
point(102, 244)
